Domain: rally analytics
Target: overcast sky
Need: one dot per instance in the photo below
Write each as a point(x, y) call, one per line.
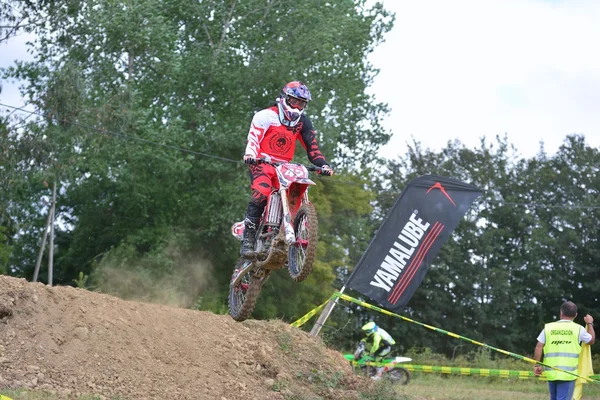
point(470, 68)
point(14, 49)
point(463, 69)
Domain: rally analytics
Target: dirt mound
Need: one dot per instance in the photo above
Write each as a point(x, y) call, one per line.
point(71, 342)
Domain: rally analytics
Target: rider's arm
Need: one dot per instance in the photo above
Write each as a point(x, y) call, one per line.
point(376, 342)
point(258, 127)
point(309, 142)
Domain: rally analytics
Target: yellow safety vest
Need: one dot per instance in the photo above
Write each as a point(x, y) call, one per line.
point(562, 349)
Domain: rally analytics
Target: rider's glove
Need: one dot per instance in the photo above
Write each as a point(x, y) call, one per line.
point(326, 170)
point(248, 159)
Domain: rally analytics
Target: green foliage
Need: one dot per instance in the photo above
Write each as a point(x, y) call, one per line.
point(326, 378)
point(11, 20)
point(82, 281)
point(454, 387)
point(285, 342)
point(520, 252)
point(526, 246)
point(381, 391)
point(5, 250)
point(211, 300)
point(467, 357)
point(120, 87)
point(166, 274)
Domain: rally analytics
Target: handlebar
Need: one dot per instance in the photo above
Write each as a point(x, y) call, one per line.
point(268, 160)
point(358, 353)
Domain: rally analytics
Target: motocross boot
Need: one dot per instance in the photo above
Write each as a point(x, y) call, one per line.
point(379, 374)
point(249, 238)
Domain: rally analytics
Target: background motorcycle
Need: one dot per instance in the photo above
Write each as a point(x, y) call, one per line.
point(368, 365)
point(287, 235)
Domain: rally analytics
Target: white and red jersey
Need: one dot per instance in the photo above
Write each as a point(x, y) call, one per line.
point(267, 136)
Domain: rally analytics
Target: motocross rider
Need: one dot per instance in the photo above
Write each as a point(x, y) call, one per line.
point(273, 132)
point(378, 344)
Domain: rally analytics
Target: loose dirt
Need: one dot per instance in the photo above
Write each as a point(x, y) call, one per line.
point(71, 342)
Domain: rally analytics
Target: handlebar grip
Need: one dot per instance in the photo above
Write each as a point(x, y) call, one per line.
point(265, 160)
point(252, 161)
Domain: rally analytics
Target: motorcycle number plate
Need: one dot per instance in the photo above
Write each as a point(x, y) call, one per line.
point(292, 171)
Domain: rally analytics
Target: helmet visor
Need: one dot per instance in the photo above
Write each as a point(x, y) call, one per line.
point(296, 103)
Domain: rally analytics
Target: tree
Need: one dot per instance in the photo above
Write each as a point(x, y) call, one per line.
point(526, 247)
point(145, 144)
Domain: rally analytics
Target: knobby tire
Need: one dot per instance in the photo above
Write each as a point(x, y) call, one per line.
point(399, 375)
point(300, 269)
point(241, 305)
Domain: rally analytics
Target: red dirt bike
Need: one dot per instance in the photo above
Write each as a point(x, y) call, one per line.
point(287, 235)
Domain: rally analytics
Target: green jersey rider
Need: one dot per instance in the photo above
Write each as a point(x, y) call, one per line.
point(378, 344)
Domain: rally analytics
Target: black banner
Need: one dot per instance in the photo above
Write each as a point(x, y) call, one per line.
point(419, 223)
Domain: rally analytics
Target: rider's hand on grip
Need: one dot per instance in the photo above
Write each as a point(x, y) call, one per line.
point(326, 170)
point(248, 159)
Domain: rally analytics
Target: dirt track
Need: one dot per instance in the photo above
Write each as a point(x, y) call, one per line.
point(71, 341)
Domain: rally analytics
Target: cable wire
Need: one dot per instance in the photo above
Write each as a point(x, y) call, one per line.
point(121, 135)
point(184, 150)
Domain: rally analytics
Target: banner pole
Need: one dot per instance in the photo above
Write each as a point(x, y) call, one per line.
point(325, 314)
point(329, 307)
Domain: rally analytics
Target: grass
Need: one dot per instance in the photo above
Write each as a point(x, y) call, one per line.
point(285, 342)
point(436, 386)
point(25, 394)
point(425, 386)
point(422, 386)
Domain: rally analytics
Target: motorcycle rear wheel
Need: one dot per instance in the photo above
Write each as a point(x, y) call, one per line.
point(301, 254)
point(242, 297)
point(399, 375)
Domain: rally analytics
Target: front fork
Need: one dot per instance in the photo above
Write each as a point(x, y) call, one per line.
point(288, 228)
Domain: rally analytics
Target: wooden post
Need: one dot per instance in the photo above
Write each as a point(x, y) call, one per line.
point(41, 252)
point(51, 249)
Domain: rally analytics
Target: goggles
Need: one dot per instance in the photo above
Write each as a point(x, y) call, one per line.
point(296, 103)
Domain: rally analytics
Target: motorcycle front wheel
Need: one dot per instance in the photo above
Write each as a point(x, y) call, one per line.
point(243, 296)
point(399, 375)
point(301, 254)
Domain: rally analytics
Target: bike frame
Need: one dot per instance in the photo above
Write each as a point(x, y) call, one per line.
point(293, 185)
point(293, 189)
point(365, 360)
point(368, 361)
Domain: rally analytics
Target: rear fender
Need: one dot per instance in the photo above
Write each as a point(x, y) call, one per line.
point(245, 267)
point(391, 364)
